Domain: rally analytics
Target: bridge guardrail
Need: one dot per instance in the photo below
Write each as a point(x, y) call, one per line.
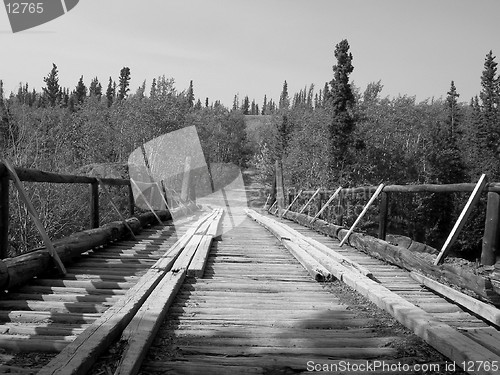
point(491, 234)
point(35, 175)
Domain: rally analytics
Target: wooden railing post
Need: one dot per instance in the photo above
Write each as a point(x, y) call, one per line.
point(280, 189)
point(491, 235)
point(131, 200)
point(4, 212)
point(382, 219)
point(321, 198)
point(94, 204)
point(339, 217)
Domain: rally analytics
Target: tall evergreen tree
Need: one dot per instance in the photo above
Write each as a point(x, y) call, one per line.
point(2, 104)
point(282, 137)
point(4, 118)
point(488, 131)
point(453, 110)
point(110, 92)
point(264, 105)
point(95, 88)
point(236, 102)
point(245, 107)
point(123, 83)
point(342, 102)
point(80, 91)
point(52, 90)
point(152, 93)
point(190, 94)
point(284, 102)
point(445, 166)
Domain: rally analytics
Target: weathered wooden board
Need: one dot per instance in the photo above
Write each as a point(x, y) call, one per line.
point(484, 310)
point(197, 265)
point(443, 337)
point(78, 357)
point(141, 331)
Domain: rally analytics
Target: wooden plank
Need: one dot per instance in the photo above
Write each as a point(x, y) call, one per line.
point(313, 267)
point(34, 215)
point(202, 229)
point(140, 332)
point(184, 259)
point(309, 201)
point(327, 204)
point(404, 258)
point(4, 212)
point(365, 209)
point(197, 266)
point(443, 337)
point(282, 231)
point(486, 311)
point(79, 356)
point(464, 215)
point(491, 238)
point(214, 228)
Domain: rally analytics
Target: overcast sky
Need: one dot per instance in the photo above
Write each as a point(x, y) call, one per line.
point(250, 47)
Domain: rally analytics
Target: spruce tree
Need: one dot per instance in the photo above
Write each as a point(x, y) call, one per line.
point(95, 89)
point(190, 95)
point(236, 102)
point(341, 99)
point(284, 102)
point(52, 90)
point(110, 92)
point(488, 128)
point(123, 83)
point(80, 91)
point(264, 105)
point(453, 110)
point(445, 166)
point(152, 93)
point(245, 107)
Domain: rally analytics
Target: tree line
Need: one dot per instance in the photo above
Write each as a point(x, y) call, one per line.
point(351, 137)
point(62, 130)
point(339, 135)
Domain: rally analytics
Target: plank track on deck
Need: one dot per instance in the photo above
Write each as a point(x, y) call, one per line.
point(258, 311)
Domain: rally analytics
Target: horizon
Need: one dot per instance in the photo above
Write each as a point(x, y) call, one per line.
point(230, 47)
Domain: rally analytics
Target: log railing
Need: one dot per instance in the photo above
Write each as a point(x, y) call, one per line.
point(33, 175)
point(491, 235)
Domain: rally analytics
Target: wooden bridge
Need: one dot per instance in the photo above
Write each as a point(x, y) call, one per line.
point(272, 295)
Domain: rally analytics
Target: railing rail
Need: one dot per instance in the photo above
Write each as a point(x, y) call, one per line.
point(34, 175)
point(421, 188)
point(491, 233)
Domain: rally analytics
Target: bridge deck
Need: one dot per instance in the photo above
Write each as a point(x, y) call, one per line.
point(257, 311)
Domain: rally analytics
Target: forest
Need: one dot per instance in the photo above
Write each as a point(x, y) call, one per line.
point(337, 135)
